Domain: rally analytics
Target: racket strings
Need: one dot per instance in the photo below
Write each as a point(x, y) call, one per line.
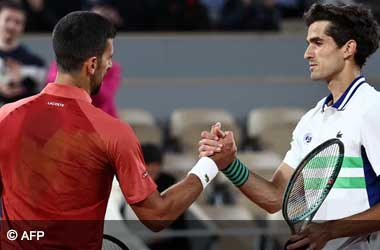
point(310, 185)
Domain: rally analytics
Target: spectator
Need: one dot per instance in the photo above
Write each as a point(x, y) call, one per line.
point(153, 158)
point(105, 99)
point(21, 72)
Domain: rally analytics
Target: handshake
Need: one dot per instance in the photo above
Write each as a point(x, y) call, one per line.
point(218, 145)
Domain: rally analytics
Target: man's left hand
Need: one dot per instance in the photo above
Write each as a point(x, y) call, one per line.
point(316, 235)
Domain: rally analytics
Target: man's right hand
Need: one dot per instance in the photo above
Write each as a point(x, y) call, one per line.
point(218, 145)
point(210, 142)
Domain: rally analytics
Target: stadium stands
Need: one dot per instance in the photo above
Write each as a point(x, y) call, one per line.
point(273, 127)
point(144, 125)
point(187, 124)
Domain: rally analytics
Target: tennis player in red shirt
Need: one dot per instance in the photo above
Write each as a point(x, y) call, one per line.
point(59, 153)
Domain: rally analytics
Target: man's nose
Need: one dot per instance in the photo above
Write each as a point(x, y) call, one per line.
point(308, 53)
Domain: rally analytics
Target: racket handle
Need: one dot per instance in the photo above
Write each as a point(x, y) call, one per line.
point(290, 242)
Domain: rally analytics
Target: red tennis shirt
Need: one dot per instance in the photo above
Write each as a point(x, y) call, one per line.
point(58, 157)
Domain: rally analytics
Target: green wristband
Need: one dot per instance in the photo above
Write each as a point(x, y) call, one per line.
point(237, 173)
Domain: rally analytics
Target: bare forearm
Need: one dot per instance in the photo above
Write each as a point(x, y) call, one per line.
point(180, 196)
point(159, 210)
point(362, 223)
point(268, 194)
point(263, 192)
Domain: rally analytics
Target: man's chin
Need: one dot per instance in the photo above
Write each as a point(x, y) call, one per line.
point(315, 77)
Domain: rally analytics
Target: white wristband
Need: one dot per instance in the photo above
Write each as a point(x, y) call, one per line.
point(205, 170)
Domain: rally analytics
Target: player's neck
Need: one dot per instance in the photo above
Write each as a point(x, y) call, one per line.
point(339, 84)
point(72, 80)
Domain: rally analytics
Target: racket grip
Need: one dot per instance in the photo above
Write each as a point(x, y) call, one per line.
point(290, 242)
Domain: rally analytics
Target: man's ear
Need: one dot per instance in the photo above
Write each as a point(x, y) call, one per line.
point(91, 65)
point(350, 49)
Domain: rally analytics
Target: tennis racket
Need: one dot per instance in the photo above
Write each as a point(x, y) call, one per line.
point(311, 183)
point(112, 243)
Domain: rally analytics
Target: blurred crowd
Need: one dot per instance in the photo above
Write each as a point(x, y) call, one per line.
point(170, 15)
point(174, 15)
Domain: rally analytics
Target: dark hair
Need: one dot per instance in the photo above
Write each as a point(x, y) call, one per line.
point(11, 5)
point(152, 153)
point(348, 22)
point(79, 36)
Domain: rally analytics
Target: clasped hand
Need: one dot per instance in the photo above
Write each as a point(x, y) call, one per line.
point(219, 145)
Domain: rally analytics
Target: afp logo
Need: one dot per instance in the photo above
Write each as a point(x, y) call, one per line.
point(307, 138)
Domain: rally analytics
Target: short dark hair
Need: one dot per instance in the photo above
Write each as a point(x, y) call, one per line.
point(79, 36)
point(11, 5)
point(152, 153)
point(348, 22)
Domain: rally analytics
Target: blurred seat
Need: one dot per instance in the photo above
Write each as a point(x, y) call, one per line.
point(144, 125)
point(187, 124)
point(273, 127)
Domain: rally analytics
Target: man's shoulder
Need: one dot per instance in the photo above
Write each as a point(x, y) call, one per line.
point(368, 99)
point(370, 92)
